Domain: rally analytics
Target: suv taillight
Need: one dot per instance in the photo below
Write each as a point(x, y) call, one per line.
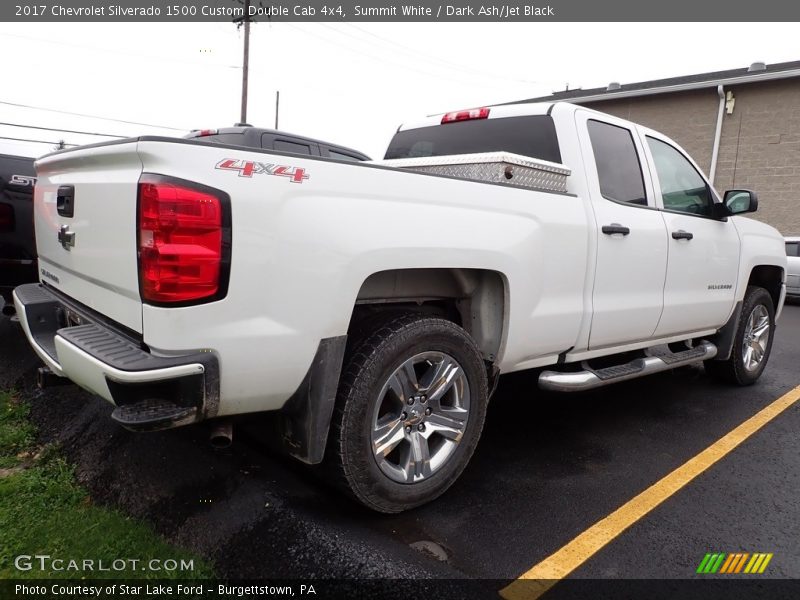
point(184, 241)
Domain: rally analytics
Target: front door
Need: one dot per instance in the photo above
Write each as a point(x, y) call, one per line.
point(703, 257)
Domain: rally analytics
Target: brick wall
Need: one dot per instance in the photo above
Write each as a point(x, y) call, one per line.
point(760, 150)
point(759, 147)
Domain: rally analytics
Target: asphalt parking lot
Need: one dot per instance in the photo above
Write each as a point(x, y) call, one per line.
point(548, 467)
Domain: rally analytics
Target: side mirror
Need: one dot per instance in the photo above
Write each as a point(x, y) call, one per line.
point(738, 202)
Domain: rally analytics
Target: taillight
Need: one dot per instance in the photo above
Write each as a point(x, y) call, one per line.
point(184, 241)
point(206, 132)
point(466, 115)
point(6, 217)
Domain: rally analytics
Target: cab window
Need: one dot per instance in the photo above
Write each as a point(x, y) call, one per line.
point(342, 156)
point(618, 167)
point(291, 147)
point(682, 188)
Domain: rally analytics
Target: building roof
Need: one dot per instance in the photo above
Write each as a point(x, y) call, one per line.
point(756, 72)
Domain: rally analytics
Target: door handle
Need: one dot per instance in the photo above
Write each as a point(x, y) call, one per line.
point(615, 228)
point(65, 200)
point(682, 235)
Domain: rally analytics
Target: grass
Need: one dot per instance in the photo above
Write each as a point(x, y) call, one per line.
point(43, 511)
point(16, 432)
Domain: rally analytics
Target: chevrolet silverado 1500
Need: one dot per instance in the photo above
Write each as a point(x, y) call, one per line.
point(371, 307)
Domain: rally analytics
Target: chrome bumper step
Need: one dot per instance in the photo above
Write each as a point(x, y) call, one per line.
point(657, 360)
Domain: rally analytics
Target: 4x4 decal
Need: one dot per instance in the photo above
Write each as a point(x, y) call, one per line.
point(247, 168)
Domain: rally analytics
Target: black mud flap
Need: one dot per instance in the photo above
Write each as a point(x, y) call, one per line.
point(723, 339)
point(306, 417)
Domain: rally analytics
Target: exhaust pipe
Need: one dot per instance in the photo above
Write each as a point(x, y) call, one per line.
point(9, 310)
point(45, 378)
point(221, 435)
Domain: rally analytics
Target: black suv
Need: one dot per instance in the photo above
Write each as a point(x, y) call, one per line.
point(272, 139)
point(17, 245)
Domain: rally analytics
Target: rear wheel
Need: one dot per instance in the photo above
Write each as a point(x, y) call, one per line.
point(752, 343)
point(410, 410)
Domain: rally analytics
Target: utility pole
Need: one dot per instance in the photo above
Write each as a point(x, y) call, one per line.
point(277, 106)
point(245, 20)
point(245, 59)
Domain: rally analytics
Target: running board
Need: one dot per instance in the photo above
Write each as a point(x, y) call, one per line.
point(654, 362)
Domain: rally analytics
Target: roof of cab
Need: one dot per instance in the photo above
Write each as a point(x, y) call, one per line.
point(195, 133)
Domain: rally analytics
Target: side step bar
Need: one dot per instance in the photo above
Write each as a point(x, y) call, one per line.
point(655, 362)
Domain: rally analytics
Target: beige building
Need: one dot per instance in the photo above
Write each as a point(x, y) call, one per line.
point(742, 127)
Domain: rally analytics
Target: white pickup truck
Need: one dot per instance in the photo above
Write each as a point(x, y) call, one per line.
point(371, 306)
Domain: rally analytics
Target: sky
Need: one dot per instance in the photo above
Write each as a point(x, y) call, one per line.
point(347, 83)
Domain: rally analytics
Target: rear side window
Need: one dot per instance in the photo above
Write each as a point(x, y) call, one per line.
point(792, 248)
point(617, 161)
point(234, 139)
point(291, 147)
point(533, 136)
point(342, 156)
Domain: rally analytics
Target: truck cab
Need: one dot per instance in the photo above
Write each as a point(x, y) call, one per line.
point(669, 258)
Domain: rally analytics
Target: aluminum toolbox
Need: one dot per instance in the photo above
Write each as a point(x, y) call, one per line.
point(494, 167)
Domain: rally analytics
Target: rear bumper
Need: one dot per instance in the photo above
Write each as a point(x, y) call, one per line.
point(151, 392)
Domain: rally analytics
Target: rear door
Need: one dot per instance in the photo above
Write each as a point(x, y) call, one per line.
point(85, 222)
point(627, 297)
point(703, 258)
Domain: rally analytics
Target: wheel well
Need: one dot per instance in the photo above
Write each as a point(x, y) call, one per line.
point(475, 299)
point(770, 278)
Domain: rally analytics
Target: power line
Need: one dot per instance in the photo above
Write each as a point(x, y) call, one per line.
point(62, 130)
point(77, 114)
point(34, 141)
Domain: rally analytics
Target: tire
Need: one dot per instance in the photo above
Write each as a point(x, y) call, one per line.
point(743, 367)
point(415, 386)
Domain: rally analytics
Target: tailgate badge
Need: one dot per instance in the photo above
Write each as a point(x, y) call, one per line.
point(66, 237)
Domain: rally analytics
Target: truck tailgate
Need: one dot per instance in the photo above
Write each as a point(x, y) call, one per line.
point(88, 250)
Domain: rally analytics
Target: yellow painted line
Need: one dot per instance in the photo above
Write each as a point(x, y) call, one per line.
point(765, 563)
point(753, 560)
point(541, 577)
point(757, 564)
